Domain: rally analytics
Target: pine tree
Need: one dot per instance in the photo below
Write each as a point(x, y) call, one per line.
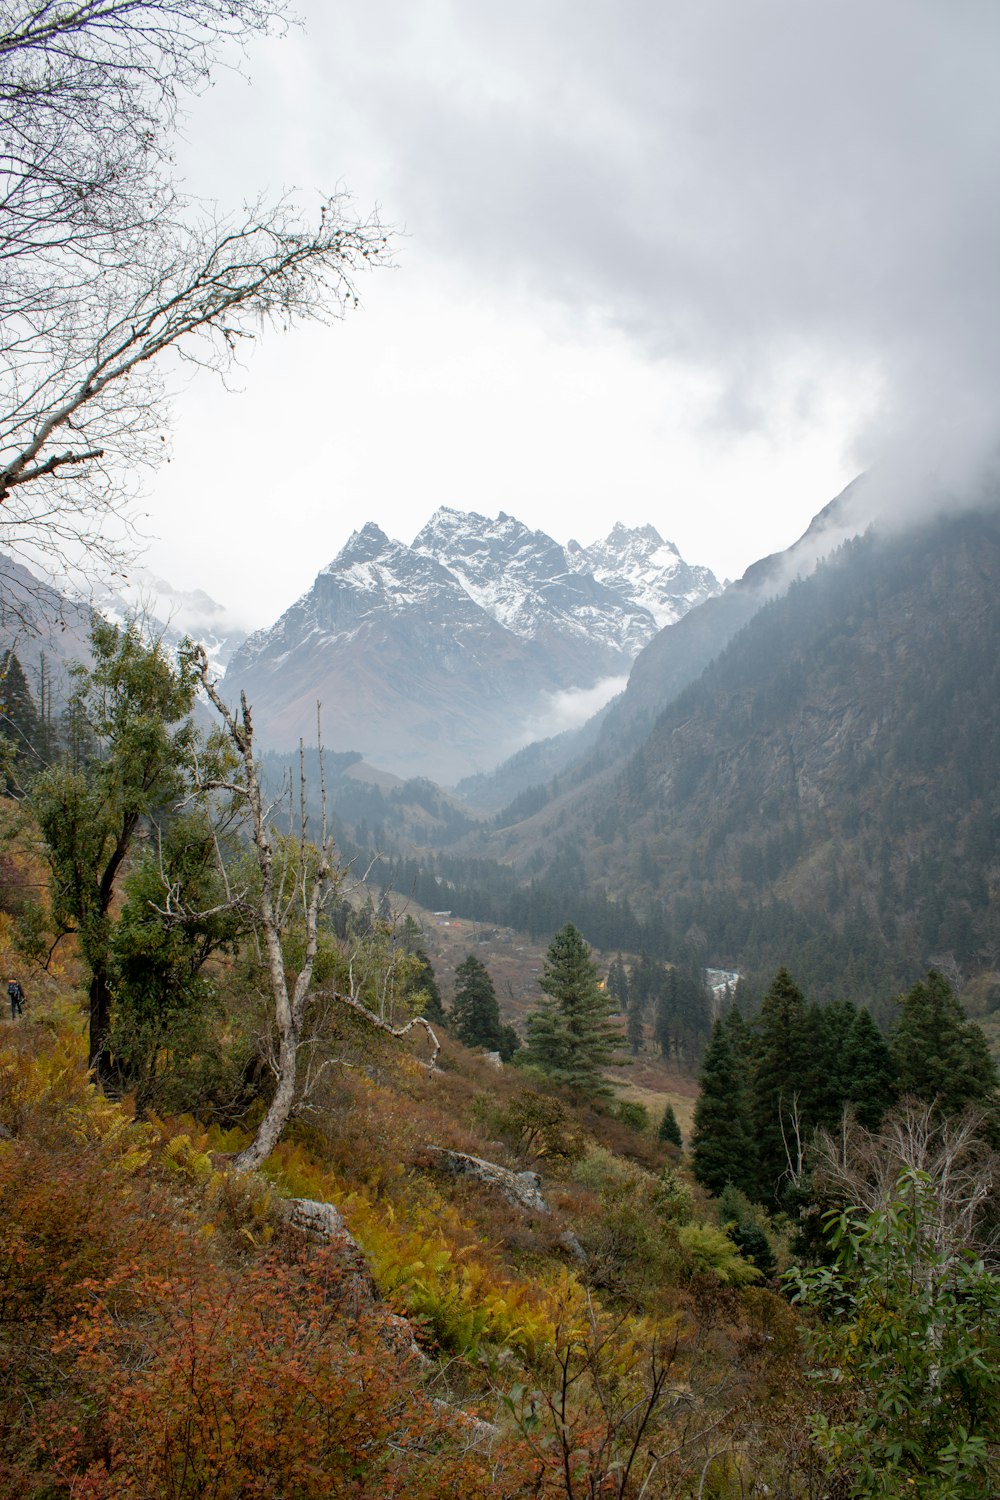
point(634, 1030)
point(826, 1088)
point(782, 1104)
point(669, 1129)
point(722, 1148)
point(23, 737)
point(869, 1070)
point(617, 984)
point(475, 1015)
point(667, 991)
point(569, 1036)
point(940, 1057)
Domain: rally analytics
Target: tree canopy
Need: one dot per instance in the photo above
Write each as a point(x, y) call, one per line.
point(569, 1035)
point(132, 708)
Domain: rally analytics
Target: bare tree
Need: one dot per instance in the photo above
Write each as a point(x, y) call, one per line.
point(296, 879)
point(108, 270)
point(89, 95)
point(961, 1169)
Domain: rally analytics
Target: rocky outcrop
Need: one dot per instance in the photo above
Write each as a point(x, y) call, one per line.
point(322, 1224)
point(522, 1189)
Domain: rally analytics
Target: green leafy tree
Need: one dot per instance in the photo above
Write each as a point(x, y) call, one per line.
point(908, 1347)
point(940, 1057)
point(164, 1001)
point(669, 1129)
point(133, 703)
point(569, 1035)
point(475, 1015)
point(722, 1145)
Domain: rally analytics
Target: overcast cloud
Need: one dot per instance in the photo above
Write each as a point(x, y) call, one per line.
point(691, 263)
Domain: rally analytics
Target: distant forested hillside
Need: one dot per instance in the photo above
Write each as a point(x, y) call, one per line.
point(825, 795)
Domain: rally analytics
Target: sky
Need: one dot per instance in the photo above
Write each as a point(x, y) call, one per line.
point(688, 262)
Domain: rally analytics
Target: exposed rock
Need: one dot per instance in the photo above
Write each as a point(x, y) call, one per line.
point(569, 1242)
point(322, 1224)
point(494, 1059)
point(519, 1188)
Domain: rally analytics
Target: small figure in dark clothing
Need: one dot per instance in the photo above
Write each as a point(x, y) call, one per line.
point(16, 995)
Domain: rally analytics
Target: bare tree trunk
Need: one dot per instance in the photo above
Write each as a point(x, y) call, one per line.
point(305, 889)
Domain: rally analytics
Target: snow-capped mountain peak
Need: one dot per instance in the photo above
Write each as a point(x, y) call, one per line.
point(637, 563)
point(441, 652)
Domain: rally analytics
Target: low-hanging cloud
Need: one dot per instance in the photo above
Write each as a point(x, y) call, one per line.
point(781, 194)
point(566, 710)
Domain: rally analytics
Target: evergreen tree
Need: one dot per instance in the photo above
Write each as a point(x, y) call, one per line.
point(23, 737)
point(739, 1219)
point(135, 745)
point(827, 1086)
point(411, 935)
point(569, 1036)
point(669, 1129)
point(164, 993)
point(617, 984)
point(634, 1029)
point(722, 1146)
point(475, 1015)
point(510, 1043)
point(666, 1014)
point(869, 1070)
point(940, 1057)
point(783, 1087)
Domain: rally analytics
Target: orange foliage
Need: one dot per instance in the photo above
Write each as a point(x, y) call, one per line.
point(135, 1362)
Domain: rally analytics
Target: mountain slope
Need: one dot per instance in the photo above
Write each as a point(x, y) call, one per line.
point(825, 794)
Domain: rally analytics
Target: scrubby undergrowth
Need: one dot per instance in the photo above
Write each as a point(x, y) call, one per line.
point(163, 1332)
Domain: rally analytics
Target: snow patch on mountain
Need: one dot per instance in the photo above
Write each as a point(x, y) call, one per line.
point(443, 656)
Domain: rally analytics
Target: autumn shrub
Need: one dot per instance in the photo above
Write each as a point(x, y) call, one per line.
point(536, 1127)
point(137, 1362)
point(610, 1418)
point(247, 1386)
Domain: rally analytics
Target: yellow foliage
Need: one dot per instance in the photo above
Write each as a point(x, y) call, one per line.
point(45, 1087)
point(712, 1253)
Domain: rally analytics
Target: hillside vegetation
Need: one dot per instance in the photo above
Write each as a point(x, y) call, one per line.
point(440, 1278)
point(823, 795)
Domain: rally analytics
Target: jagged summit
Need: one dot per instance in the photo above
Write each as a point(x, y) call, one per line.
point(635, 562)
point(361, 546)
point(443, 656)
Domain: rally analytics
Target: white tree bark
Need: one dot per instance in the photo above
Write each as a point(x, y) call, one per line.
point(310, 882)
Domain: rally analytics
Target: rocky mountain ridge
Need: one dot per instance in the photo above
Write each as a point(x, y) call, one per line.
point(439, 658)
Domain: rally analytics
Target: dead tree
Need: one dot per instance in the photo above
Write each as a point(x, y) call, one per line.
point(296, 877)
point(951, 1153)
